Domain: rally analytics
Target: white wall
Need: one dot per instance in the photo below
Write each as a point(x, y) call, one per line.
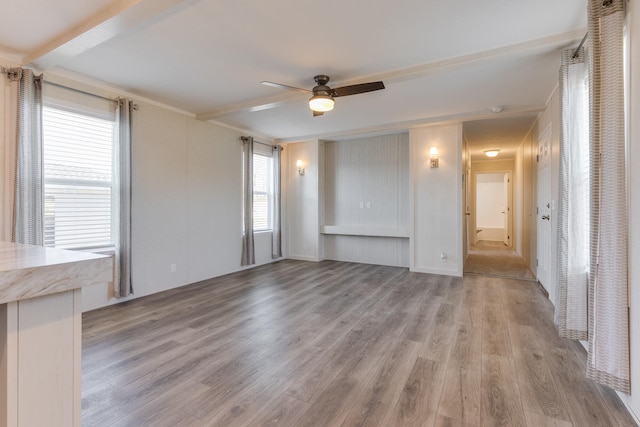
point(367, 189)
point(373, 171)
point(393, 251)
point(187, 204)
point(518, 201)
point(159, 199)
point(434, 200)
point(212, 176)
point(437, 200)
point(529, 172)
point(304, 201)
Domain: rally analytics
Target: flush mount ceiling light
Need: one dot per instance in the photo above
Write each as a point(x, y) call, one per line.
point(321, 103)
point(491, 153)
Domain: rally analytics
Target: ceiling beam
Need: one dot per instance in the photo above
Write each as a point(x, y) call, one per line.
point(120, 18)
point(538, 45)
point(257, 104)
point(410, 73)
point(437, 120)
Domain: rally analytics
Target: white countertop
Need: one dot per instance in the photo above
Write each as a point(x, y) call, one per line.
point(28, 271)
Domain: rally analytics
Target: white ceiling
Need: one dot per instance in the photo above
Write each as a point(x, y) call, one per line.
point(440, 61)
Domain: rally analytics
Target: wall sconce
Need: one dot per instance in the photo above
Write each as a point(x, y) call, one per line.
point(433, 153)
point(299, 166)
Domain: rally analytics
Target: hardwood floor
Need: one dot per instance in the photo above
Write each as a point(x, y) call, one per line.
point(338, 344)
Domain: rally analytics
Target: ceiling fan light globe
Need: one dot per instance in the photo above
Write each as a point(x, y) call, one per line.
point(321, 103)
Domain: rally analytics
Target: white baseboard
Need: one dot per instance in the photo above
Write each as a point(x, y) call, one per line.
point(623, 396)
point(303, 258)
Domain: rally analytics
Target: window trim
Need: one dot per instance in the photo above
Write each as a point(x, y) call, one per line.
point(269, 194)
point(78, 109)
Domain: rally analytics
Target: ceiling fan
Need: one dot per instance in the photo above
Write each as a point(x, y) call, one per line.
point(322, 99)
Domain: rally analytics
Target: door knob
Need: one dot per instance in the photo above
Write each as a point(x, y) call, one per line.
point(545, 217)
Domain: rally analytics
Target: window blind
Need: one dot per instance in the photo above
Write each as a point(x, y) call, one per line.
point(262, 192)
point(79, 184)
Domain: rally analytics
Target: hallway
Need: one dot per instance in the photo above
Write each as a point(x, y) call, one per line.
point(488, 258)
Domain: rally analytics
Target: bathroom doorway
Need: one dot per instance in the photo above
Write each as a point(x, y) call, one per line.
point(493, 207)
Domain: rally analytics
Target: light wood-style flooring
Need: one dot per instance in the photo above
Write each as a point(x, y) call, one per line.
point(338, 344)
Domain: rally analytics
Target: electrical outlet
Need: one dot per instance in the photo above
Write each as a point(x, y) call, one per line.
point(443, 256)
point(368, 205)
point(173, 268)
point(361, 205)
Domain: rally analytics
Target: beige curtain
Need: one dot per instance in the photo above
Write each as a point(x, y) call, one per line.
point(573, 198)
point(608, 358)
point(123, 285)
point(25, 156)
point(248, 248)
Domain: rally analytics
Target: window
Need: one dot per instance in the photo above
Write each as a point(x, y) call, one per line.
point(79, 179)
point(262, 192)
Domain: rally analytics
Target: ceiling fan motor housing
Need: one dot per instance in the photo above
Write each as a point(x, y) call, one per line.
point(322, 89)
point(321, 79)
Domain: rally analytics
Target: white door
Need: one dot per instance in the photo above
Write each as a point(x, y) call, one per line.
point(544, 208)
point(506, 212)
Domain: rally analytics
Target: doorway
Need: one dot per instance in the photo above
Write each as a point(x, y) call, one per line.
point(514, 138)
point(492, 251)
point(493, 207)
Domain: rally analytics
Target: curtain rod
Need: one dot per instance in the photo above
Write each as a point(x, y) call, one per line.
point(255, 141)
point(4, 70)
point(584, 39)
point(79, 91)
point(264, 143)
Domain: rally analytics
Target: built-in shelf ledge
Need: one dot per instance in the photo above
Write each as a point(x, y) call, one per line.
point(354, 230)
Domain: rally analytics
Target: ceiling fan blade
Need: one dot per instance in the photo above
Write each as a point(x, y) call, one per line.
point(317, 113)
point(281, 86)
point(262, 107)
point(356, 89)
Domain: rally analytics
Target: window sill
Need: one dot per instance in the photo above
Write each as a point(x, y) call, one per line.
point(100, 251)
point(262, 232)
